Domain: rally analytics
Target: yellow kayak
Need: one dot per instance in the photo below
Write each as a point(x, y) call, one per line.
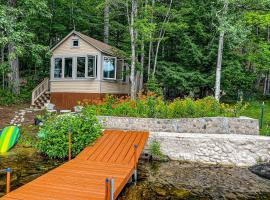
point(8, 138)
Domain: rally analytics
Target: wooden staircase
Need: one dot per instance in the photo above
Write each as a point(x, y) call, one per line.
point(41, 95)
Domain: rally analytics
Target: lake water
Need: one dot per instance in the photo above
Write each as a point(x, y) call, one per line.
point(157, 180)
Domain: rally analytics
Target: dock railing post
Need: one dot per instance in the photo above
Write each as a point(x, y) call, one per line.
point(8, 170)
point(135, 162)
point(69, 144)
point(107, 189)
point(112, 189)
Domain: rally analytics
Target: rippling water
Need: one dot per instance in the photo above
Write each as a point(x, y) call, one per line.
point(26, 165)
point(183, 180)
point(157, 180)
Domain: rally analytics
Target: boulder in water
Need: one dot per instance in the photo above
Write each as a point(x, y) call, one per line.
point(262, 170)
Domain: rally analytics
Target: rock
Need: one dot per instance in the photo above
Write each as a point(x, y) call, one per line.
point(161, 191)
point(262, 170)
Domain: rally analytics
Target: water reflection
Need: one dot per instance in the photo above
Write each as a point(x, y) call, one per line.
point(26, 165)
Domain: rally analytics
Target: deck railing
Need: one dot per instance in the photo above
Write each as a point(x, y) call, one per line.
point(40, 89)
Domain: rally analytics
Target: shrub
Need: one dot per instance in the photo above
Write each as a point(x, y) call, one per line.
point(155, 151)
point(155, 107)
point(53, 135)
point(153, 86)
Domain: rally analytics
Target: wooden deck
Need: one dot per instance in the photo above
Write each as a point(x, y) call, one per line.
point(83, 178)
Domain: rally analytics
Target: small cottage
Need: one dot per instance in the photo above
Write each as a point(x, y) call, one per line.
point(82, 68)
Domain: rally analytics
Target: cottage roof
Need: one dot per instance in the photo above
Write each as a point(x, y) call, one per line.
point(101, 46)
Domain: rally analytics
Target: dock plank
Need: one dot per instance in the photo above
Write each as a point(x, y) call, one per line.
point(83, 178)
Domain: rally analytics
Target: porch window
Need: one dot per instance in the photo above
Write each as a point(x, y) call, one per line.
point(57, 67)
point(91, 68)
point(68, 68)
point(109, 67)
point(81, 67)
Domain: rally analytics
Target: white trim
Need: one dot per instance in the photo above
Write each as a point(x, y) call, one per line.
point(74, 67)
point(61, 41)
point(115, 67)
point(72, 43)
point(95, 66)
point(53, 67)
point(77, 34)
point(63, 76)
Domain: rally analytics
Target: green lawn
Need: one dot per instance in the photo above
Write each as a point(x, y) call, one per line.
point(253, 111)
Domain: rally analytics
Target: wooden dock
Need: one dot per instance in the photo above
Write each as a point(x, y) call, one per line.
point(113, 156)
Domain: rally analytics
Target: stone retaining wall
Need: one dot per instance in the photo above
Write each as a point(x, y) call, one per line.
point(240, 150)
point(209, 125)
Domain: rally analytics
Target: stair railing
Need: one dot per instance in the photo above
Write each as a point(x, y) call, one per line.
point(40, 89)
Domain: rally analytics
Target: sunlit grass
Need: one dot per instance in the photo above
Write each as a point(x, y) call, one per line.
point(254, 110)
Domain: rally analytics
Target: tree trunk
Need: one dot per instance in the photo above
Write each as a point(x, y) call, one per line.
point(150, 44)
point(149, 58)
point(268, 84)
point(265, 83)
point(142, 67)
point(161, 36)
point(106, 21)
point(3, 72)
point(133, 47)
point(220, 53)
point(14, 80)
point(14, 63)
point(219, 64)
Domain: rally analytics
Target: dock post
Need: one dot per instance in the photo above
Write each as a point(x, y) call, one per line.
point(8, 170)
point(106, 189)
point(112, 189)
point(69, 145)
point(135, 163)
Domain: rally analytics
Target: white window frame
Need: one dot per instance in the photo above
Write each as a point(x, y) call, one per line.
point(76, 66)
point(63, 67)
point(95, 67)
point(115, 58)
point(72, 43)
point(53, 67)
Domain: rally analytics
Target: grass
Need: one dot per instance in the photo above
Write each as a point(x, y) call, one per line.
point(254, 110)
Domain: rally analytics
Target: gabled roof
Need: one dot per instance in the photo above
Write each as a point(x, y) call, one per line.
point(101, 46)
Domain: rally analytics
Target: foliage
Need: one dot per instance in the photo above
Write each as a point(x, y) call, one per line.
point(187, 56)
point(8, 98)
point(155, 107)
point(236, 79)
point(153, 86)
point(155, 151)
point(53, 135)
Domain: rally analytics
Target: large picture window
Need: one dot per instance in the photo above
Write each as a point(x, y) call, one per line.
point(109, 67)
point(68, 68)
point(58, 68)
point(91, 68)
point(81, 67)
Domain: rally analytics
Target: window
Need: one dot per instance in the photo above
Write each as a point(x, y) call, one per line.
point(91, 68)
point(109, 64)
point(119, 69)
point(57, 67)
point(125, 73)
point(81, 67)
point(75, 43)
point(68, 68)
